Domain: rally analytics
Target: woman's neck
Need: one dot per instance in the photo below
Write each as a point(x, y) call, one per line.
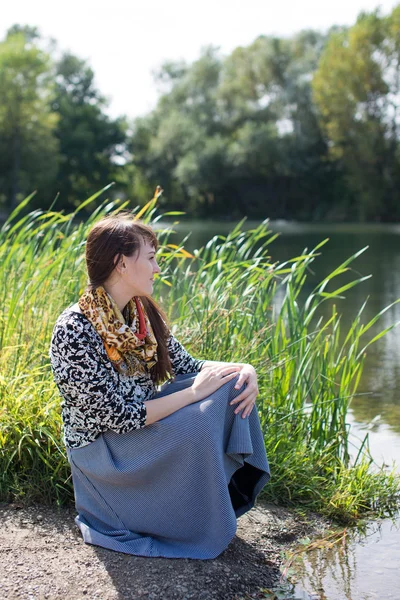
point(120, 296)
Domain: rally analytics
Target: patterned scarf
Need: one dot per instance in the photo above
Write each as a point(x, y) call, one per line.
point(126, 340)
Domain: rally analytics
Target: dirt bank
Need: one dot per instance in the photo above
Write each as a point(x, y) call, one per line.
point(42, 556)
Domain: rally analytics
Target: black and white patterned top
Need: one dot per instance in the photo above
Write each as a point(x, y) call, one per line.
point(95, 396)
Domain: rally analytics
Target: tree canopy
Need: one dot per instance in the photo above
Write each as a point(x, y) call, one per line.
point(304, 127)
point(356, 89)
point(55, 136)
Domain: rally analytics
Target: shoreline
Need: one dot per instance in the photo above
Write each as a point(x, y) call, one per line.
point(43, 556)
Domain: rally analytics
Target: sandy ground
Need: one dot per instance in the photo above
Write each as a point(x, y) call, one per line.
point(42, 556)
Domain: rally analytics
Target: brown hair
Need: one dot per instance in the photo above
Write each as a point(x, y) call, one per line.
point(109, 239)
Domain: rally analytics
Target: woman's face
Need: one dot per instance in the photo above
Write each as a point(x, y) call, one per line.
point(138, 270)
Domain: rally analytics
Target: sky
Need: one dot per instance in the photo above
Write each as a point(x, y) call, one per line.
point(124, 41)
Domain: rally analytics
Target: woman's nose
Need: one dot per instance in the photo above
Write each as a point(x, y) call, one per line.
point(157, 268)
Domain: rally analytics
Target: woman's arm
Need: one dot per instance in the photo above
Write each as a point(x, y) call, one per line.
point(163, 407)
point(89, 385)
point(205, 383)
point(183, 362)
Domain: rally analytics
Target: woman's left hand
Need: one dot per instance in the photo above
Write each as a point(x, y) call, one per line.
point(247, 398)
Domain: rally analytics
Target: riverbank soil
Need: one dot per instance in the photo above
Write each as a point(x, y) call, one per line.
point(42, 556)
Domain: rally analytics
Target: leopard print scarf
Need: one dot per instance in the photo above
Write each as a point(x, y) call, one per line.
point(127, 338)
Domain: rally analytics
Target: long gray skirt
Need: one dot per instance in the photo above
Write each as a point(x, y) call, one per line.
point(173, 488)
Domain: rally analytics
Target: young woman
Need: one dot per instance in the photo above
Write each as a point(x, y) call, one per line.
point(155, 472)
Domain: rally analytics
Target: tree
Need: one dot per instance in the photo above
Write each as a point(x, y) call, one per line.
point(92, 145)
point(356, 89)
point(238, 135)
point(279, 152)
point(179, 128)
point(28, 146)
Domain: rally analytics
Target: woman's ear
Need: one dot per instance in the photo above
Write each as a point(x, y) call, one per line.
point(119, 263)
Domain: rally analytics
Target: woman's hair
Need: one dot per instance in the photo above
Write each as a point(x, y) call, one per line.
point(109, 239)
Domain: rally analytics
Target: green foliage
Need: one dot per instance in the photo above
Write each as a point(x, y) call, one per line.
point(90, 142)
point(28, 146)
point(227, 302)
point(304, 128)
point(238, 135)
point(54, 133)
point(356, 89)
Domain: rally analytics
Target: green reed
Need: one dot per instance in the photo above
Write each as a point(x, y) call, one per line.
point(227, 301)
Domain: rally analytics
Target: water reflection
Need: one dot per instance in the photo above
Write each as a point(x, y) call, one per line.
point(356, 568)
point(383, 441)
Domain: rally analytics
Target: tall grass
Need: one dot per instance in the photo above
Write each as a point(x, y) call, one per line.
point(226, 301)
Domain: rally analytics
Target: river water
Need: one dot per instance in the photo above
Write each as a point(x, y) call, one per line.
point(366, 565)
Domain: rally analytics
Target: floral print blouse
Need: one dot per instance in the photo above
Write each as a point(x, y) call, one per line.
point(95, 396)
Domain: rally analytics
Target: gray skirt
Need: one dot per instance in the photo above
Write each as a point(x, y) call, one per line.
point(173, 488)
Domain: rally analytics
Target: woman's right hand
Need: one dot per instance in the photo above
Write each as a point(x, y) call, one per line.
point(209, 380)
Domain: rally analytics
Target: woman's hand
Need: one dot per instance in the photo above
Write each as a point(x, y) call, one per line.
point(247, 398)
point(209, 380)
